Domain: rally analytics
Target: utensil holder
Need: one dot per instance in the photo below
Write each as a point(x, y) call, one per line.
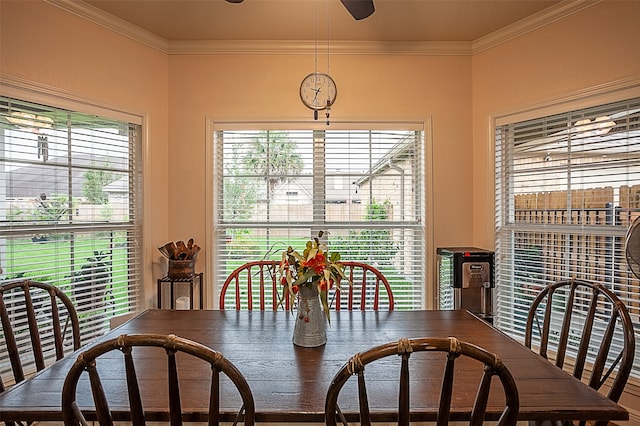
point(181, 268)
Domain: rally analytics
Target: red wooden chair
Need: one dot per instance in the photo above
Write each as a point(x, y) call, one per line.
point(370, 290)
point(254, 285)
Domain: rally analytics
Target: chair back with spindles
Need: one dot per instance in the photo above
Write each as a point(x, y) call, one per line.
point(369, 289)
point(254, 286)
point(583, 327)
point(39, 326)
point(135, 364)
point(452, 349)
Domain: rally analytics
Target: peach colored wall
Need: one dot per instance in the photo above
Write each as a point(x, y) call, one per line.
point(374, 87)
point(176, 92)
point(266, 87)
point(50, 49)
point(370, 87)
point(47, 47)
point(575, 55)
point(577, 60)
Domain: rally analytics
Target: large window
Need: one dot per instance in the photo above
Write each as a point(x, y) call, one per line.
point(567, 189)
point(70, 209)
point(363, 187)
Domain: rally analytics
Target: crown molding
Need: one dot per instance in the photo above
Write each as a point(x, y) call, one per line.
point(279, 47)
point(599, 94)
point(113, 23)
point(531, 23)
point(337, 47)
point(21, 88)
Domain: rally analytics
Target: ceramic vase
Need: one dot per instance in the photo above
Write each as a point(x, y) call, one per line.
point(311, 324)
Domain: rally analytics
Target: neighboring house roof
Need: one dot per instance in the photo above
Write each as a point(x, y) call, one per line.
point(119, 186)
point(52, 177)
point(299, 191)
point(339, 189)
point(397, 154)
point(33, 180)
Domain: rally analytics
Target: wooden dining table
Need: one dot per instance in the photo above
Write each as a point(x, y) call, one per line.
point(289, 383)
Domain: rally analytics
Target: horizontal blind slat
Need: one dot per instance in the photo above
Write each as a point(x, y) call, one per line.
point(562, 206)
point(70, 207)
point(265, 206)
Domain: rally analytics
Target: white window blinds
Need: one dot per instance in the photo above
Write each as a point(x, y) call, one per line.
point(70, 208)
point(567, 188)
point(364, 187)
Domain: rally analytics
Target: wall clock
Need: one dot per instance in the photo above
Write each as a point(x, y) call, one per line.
point(318, 91)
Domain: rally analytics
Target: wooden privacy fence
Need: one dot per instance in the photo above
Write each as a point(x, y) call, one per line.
point(582, 234)
point(579, 207)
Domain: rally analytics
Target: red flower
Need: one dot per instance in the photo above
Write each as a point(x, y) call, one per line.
point(322, 284)
point(317, 263)
point(311, 267)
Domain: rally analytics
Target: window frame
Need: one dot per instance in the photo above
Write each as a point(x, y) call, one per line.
point(508, 312)
point(130, 228)
point(213, 153)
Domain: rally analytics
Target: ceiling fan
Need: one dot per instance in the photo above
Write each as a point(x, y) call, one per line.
point(359, 9)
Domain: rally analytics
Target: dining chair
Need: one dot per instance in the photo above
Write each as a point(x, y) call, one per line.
point(369, 289)
point(254, 285)
point(99, 362)
point(489, 365)
point(39, 325)
point(583, 326)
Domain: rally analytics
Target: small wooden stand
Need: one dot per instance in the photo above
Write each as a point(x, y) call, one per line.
point(194, 279)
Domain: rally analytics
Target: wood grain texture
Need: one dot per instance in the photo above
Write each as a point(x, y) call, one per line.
point(290, 383)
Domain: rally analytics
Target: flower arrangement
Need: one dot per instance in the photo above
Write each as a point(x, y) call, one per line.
point(314, 267)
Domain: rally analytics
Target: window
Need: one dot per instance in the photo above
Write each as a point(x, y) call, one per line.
point(567, 189)
point(70, 208)
point(364, 187)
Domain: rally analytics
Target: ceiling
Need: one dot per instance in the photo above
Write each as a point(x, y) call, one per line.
point(393, 20)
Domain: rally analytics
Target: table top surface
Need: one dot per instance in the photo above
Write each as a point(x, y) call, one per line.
point(289, 383)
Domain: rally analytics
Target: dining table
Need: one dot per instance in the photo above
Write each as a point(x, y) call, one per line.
point(289, 383)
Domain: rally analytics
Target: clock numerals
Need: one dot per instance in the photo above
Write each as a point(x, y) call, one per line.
point(318, 91)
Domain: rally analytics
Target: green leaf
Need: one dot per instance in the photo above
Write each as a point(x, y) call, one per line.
point(325, 305)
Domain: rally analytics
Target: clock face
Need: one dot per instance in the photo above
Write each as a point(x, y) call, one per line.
point(318, 91)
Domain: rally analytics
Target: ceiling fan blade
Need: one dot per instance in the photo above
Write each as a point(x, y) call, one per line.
point(359, 9)
point(235, 1)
